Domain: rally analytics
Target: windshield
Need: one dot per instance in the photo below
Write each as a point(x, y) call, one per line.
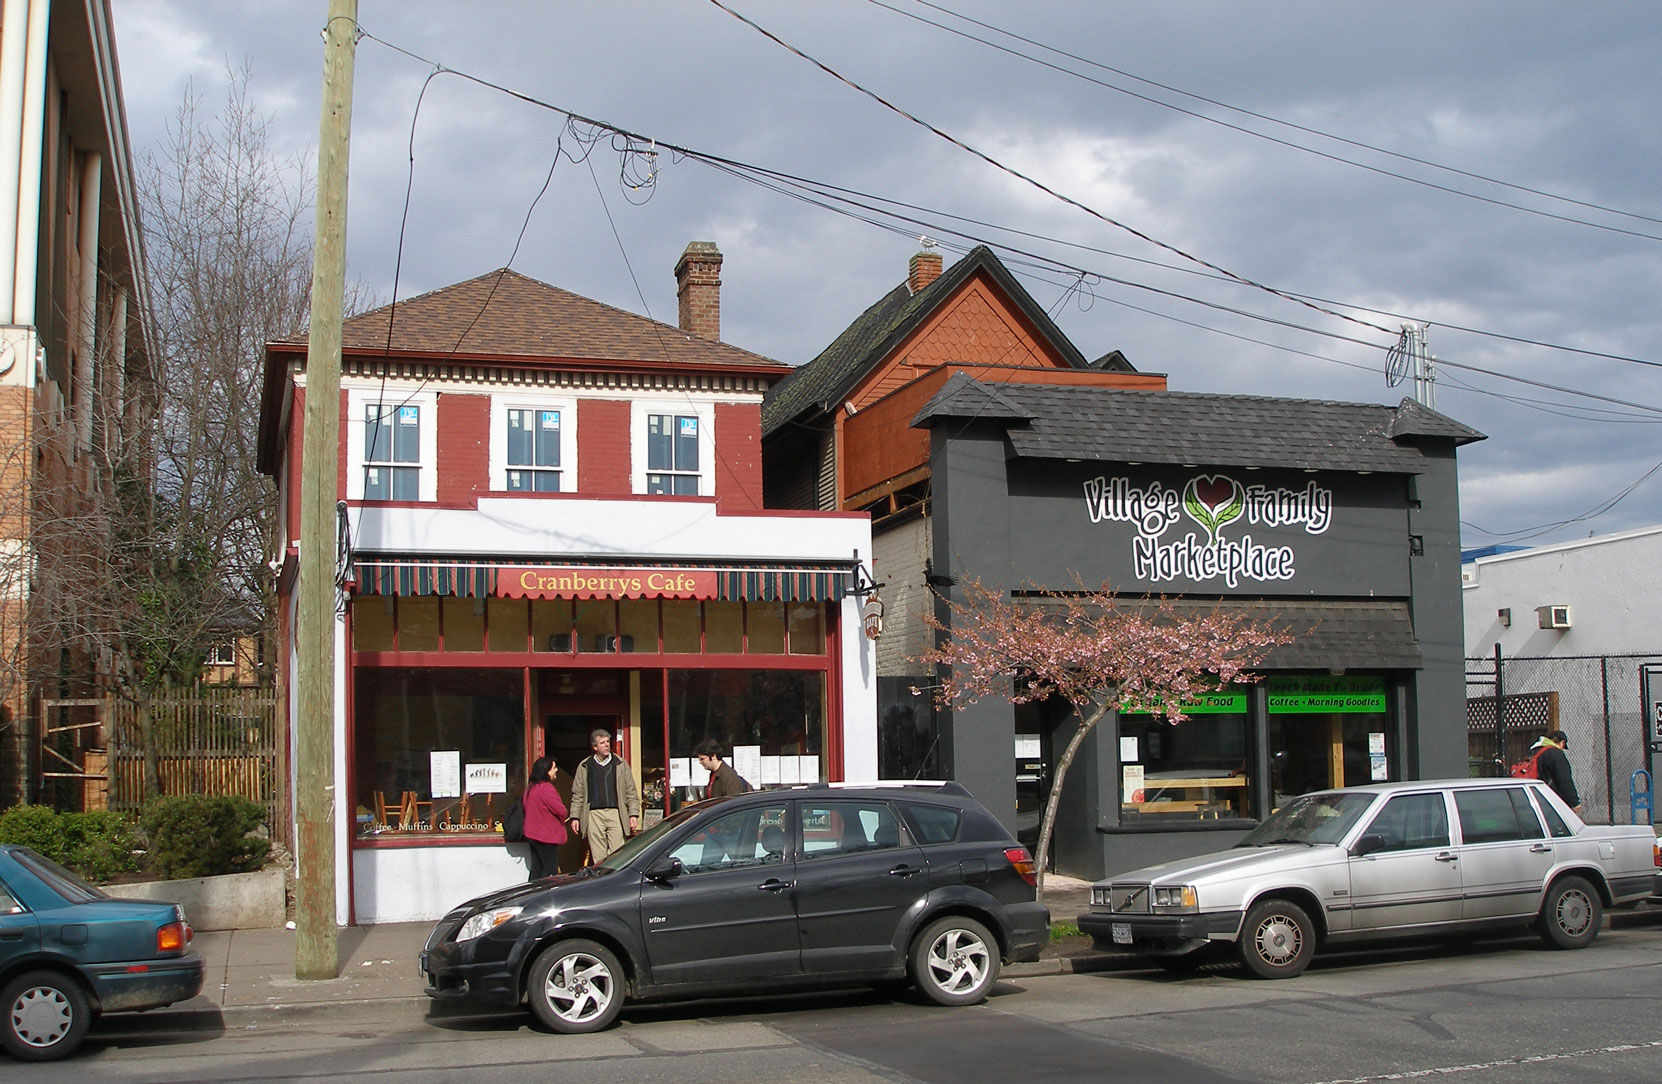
point(1311, 819)
point(634, 845)
point(58, 879)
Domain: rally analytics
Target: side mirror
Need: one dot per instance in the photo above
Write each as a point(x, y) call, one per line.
point(667, 870)
point(1367, 844)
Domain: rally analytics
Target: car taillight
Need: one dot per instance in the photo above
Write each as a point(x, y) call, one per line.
point(173, 937)
point(1023, 863)
point(1656, 853)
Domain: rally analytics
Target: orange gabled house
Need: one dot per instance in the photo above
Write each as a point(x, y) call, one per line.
point(837, 433)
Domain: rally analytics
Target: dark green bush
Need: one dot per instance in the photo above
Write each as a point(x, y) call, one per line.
point(193, 835)
point(95, 845)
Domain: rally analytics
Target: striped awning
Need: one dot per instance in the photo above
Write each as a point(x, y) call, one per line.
point(474, 580)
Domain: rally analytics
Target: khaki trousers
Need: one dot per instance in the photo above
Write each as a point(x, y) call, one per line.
point(604, 830)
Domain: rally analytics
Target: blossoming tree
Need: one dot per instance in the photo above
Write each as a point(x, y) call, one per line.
point(1093, 649)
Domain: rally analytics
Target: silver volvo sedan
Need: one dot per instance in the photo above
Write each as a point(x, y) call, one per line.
point(1391, 860)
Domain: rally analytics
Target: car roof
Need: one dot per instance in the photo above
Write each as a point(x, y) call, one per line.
point(1428, 784)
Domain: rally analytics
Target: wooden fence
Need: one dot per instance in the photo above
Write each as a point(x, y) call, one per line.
point(206, 741)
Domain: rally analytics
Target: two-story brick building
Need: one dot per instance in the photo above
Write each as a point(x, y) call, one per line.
point(554, 515)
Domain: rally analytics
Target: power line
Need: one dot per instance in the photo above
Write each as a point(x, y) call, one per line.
point(1275, 120)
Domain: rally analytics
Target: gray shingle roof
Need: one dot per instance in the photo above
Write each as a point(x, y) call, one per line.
point(1116, 425)
point(869, 339)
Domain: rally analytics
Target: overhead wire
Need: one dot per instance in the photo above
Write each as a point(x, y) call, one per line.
point(1275, 120)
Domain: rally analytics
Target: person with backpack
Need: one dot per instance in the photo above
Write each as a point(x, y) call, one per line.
point(723, 779)
point(545, 819)
point(1552, 767)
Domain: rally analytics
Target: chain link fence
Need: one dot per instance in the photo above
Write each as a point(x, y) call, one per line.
point(1596, 700)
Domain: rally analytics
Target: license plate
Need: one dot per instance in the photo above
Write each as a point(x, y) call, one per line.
point(1121, 932)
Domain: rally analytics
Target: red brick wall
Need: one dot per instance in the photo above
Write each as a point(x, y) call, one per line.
point(603, 447)
point(738, 456)
point(464, 443)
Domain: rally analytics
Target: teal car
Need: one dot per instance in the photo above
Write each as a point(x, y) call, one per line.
point(68, 953)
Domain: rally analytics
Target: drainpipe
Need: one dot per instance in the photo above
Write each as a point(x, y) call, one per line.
point(30, 149)
point(14, 37)
point(86, 309)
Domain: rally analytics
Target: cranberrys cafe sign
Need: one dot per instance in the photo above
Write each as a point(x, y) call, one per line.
point(1163, 550)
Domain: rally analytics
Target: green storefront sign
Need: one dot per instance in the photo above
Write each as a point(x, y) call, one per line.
point(1222, 702)
point(1322, 694)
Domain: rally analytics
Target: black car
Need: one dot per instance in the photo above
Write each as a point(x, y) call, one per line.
point(801, 886)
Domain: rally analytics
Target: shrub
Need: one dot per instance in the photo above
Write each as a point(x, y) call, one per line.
point(193, 835)
point(97, 846)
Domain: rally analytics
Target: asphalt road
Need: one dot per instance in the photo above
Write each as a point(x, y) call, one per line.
point(1508, 1011)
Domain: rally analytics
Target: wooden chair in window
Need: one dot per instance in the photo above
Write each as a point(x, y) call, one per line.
point(410, 808)
point(388, 815)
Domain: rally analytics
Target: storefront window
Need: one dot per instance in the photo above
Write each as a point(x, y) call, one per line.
point(807, 629)
point(372, 623)
point(464, 624)
point(418, 623)
point(596, 624)
point(436, 752)
point(1193, 770)
point(682, 627)
point(1328, 731)
point(723, 628)
point(506, 624)
point(771, 723)
point(551, 624)
point(764, 628)
point(638, 624)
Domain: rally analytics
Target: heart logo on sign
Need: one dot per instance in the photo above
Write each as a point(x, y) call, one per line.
point(1213, 500)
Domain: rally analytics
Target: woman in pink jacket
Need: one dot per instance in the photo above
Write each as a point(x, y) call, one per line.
point(545, 820)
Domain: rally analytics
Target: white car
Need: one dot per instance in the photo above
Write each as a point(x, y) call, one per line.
point(1391, 860)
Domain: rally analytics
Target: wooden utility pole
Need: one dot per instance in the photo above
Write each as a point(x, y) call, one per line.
point(316, 950)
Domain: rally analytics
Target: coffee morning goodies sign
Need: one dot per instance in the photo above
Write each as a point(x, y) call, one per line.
point(1214, 502)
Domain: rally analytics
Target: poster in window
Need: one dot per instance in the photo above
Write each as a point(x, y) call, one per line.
point(487, 779)
point(680, 772)
point(444, 773)
point(747, 761)
point(1379, 770)
point(1128, 749)
point(1131, 782)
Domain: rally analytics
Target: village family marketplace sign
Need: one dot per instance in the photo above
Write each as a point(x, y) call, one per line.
point(1163, 551)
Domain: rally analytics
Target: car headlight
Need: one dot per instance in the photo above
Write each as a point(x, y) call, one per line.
point(1176, 898)
point(1099, 895)
point(485, 921)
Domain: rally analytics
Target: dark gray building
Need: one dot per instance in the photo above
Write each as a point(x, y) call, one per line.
point(1338, 521)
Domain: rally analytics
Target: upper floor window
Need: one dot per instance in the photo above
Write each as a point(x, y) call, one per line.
point(533, 444)
point(533, 450)
point(672, 454)
point(392, 452)
point(391, 444)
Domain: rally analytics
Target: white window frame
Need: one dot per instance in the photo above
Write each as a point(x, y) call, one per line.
point(500, 405)
point(705, 412)
point(358, 400)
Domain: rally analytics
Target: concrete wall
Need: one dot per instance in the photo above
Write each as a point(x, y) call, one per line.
point(1612, 584)
point(235, 901)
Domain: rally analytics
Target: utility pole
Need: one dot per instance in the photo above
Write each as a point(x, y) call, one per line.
point(316, 949)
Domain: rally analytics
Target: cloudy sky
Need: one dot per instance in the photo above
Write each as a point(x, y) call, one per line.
point(1487, 168)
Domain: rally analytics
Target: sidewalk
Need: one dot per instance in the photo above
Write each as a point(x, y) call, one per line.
point(251, 981)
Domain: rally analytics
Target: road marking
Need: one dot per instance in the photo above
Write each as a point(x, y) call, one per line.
point(1449, 1070)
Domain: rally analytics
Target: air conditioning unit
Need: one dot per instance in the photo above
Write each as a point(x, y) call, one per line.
point(1553, 617)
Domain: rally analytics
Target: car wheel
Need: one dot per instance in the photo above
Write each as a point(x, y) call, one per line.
point(1570, 914)
point(575, 987)
point(1277, 940)
point(955, 961)
point(45, 1016)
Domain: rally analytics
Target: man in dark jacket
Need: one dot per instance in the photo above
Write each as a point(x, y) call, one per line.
point(1552, 765)
point(723, 779)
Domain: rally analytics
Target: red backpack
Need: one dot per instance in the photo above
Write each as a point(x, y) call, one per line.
point(1528, 769)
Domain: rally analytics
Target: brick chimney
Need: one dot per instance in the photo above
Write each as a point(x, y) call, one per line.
point(698, 287)
point(924, 268)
